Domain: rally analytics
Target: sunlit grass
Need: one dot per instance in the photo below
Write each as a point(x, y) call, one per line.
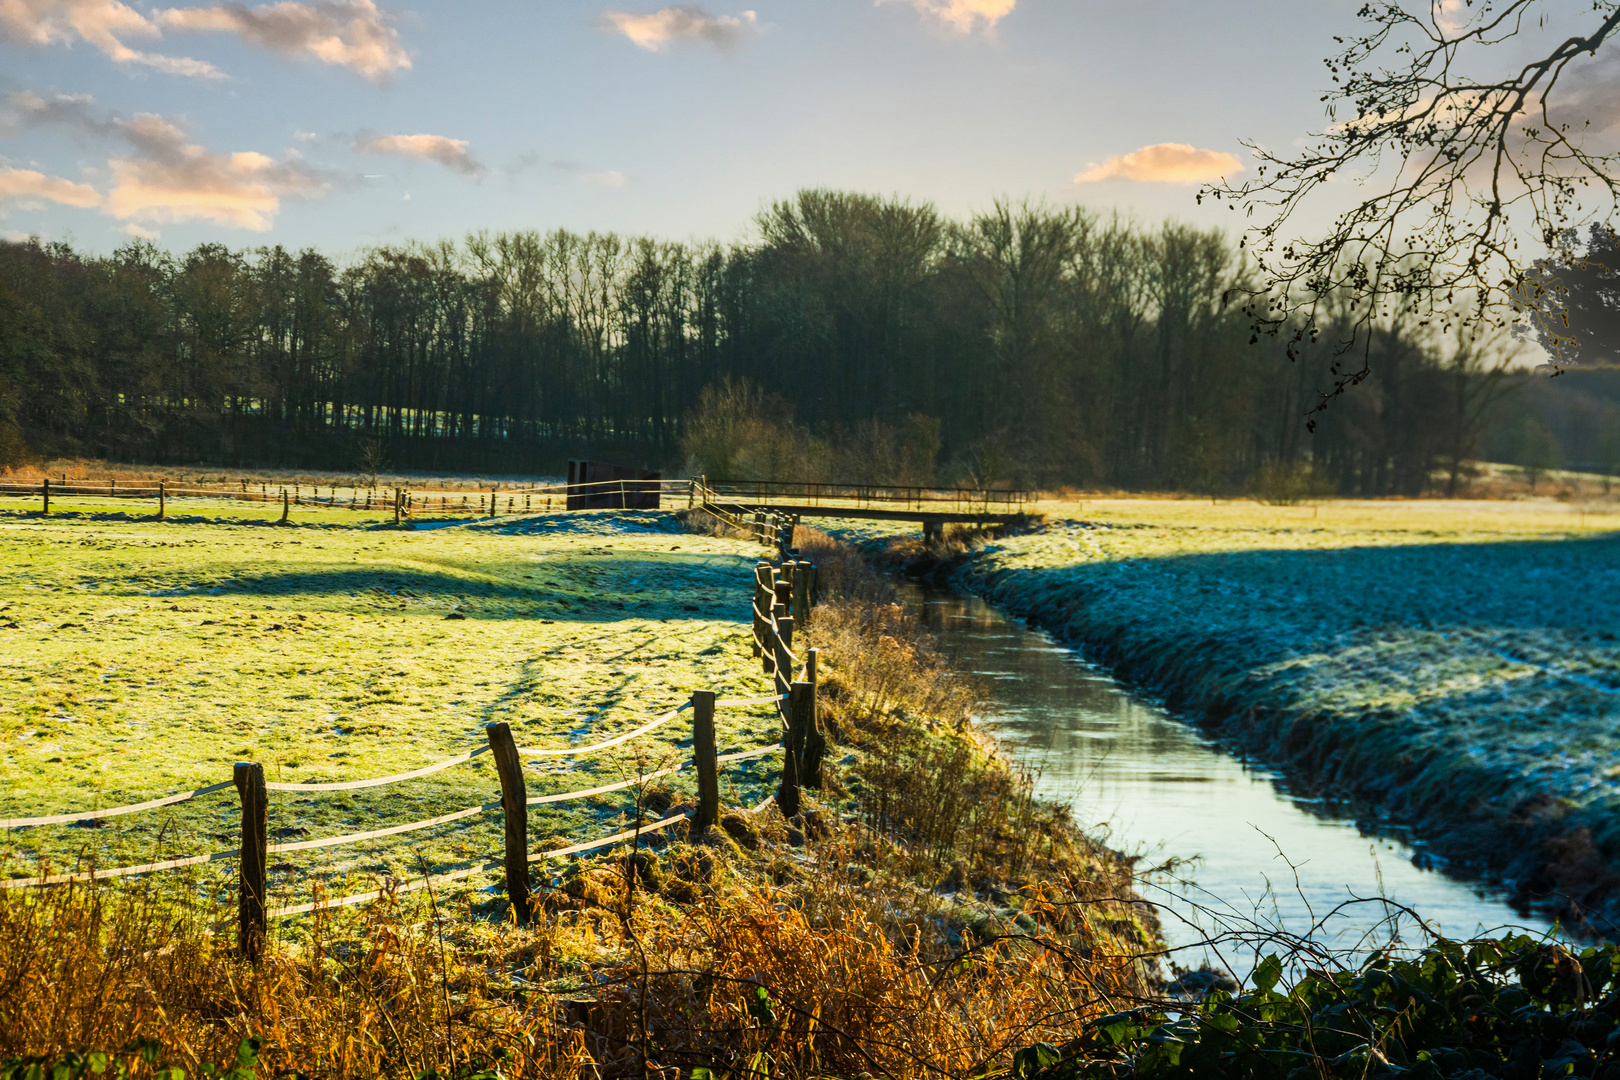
point(142, 658)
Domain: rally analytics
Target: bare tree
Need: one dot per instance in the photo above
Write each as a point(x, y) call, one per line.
point(371, 458)
point(1471, 179)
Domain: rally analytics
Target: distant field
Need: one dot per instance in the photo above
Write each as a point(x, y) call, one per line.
point(140, 658)
point(1454, 663)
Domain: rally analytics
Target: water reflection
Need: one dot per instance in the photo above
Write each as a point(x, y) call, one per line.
point(1158, 788)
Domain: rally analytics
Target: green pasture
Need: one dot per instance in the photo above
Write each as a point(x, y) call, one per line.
point(140, 658)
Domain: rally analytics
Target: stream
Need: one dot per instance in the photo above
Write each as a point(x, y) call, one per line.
point(1153, 785)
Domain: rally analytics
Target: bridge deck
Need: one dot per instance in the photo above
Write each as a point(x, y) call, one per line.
point(993, 516)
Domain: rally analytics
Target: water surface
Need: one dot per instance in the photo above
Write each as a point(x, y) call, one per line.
point(1157, 787)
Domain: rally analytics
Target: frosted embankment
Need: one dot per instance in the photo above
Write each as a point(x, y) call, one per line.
point(1464, 680)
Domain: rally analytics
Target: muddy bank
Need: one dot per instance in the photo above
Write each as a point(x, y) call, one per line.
point(1467, 690)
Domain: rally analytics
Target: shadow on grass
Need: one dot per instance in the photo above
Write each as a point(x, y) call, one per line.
point(483, 598)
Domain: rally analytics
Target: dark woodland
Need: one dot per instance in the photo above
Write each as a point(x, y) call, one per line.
point(858, 338)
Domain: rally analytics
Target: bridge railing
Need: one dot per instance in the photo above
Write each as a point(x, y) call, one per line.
point(816, 493)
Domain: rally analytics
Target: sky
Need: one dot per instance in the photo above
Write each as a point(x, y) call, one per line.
point(345, 124)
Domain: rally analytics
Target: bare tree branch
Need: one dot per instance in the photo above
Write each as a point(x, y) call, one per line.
point(1472, 179)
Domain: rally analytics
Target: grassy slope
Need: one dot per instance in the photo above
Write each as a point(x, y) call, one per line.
point(1456, 663)
point(142, 658)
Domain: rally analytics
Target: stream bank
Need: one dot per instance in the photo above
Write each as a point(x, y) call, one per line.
point(1263, 857)
point(1460, 684)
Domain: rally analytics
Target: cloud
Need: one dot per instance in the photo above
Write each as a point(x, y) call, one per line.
point(168, 179)
point(963, 16)
point(67, 110)
point(1167, 163)
point(103, 24)
point(655, 31)
point(28, 186)
point(160, 176)
point(132, 229)
point(609, 178)
point(451, 153)
point(349, 33)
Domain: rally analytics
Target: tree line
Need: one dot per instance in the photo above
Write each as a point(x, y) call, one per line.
point(854, 338)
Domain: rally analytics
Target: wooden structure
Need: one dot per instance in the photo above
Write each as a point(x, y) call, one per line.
point(598, 485)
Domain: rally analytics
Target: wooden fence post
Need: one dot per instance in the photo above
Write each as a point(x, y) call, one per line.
point(515, 808)
point(284, 506)
point(801, 592)
point(814, 739)
point(787, 795)
point(47, 488)
point(784, 657)
point(251, 888)
point(399, 500)
point(783, 595)
point(162, 500)
point(759, 623)
point(764, 602)
point(703, 757)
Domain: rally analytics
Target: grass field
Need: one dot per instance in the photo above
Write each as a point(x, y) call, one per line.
point(1455, 664)
point(140, 658)
point(923, 915)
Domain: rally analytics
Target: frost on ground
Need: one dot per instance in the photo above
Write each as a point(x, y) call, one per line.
point(1460, 670)
point(142, 658)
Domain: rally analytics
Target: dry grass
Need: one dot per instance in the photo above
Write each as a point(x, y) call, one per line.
point(830, 971)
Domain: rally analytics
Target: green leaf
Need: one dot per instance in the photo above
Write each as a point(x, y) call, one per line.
point(1267, 974)
point(760, 1007)
point(247, 1052)
point(1032, 1059)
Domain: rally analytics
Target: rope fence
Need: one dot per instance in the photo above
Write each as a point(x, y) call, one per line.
point(788, 583)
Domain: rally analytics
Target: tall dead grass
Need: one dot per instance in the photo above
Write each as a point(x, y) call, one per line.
point(810, 977)
point(760, 984)
point(85, 968)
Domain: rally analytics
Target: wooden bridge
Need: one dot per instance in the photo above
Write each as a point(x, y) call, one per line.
point(933, 508)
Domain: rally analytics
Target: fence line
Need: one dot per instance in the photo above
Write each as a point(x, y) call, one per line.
point(113, 811)
point(786, 587)
point(626, 737)
point(354, 785)
point(118, 871)
point(404, 502)
point(353, 838)
point(469, 871)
